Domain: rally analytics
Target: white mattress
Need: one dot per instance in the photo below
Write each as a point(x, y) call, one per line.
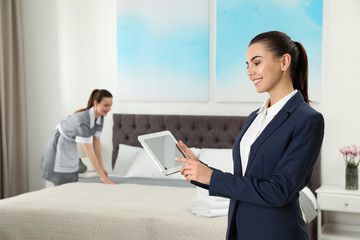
point(99, 211)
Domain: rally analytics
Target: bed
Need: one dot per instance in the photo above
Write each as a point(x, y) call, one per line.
point(144, 204)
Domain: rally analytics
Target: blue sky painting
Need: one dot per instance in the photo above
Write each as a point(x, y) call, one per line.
point(238, 21)
point(163, 50)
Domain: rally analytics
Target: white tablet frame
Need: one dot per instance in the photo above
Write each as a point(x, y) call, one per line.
point(144, 137)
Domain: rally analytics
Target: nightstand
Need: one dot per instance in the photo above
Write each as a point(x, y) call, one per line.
point(338, 213)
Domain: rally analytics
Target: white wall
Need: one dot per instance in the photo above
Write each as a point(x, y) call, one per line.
point(340, 101)
point(70, 49)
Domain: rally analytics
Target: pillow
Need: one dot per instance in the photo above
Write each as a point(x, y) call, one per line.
point(218, 158)
point(125, 159)
point(143, 166)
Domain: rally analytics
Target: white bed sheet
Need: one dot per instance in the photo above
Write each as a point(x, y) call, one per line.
point(99, 211)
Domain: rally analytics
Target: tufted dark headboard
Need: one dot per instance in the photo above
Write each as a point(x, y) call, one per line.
point(194, 131)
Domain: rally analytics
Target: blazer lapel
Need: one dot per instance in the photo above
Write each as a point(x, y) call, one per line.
point(280, 117)
point(236, 147)
point(251, 118)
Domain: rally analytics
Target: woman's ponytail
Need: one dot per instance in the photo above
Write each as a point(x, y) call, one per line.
point(299, 72)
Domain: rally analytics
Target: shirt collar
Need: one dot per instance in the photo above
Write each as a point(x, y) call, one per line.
point(92, 118)
point(264, 106)
point(274, 109)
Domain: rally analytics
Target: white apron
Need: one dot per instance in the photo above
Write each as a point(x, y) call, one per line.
point(67, 157)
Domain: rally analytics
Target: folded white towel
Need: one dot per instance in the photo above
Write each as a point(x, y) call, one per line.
point(210, 212)
point(207, 203)
point(209, 206)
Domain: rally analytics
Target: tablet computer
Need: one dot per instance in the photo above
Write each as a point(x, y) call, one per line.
point(163, 149)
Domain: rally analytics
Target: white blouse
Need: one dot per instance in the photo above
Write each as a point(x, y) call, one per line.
point(264, 117)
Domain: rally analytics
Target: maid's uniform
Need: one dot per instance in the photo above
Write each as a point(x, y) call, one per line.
point(60, 161)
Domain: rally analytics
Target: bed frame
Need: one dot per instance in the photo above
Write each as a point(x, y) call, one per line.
point(194, 131)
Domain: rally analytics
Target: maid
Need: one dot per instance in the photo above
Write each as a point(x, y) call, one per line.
point(60, 161)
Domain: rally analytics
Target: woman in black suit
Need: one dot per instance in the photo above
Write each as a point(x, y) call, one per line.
point(276, 150)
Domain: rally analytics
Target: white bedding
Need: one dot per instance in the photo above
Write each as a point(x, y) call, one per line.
point(99, 211)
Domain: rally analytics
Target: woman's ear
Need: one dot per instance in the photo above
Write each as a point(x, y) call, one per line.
point(95, 103)
point(285, 62)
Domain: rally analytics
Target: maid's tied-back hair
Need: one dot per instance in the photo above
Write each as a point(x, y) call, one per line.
point(98, 95)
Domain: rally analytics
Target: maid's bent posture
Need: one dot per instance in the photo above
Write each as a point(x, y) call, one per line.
point(275, 152)
point(60, 161)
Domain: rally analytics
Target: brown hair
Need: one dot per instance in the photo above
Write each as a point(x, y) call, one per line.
point(96, 95)
point(279, 44)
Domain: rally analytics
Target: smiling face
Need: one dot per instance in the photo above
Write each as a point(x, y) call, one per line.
point(102, 108)
point(263, 68)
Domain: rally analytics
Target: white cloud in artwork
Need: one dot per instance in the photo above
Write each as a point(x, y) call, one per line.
point(154, 83)
point(162, 16)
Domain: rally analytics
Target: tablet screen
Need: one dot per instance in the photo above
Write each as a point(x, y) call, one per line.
point(165, 150)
